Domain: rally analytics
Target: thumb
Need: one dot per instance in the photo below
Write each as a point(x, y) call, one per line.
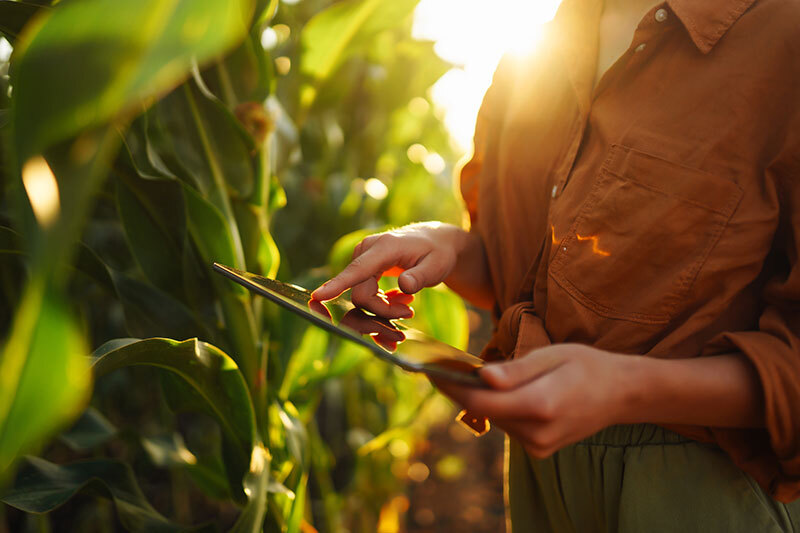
point(431, 270)
point(517, 372)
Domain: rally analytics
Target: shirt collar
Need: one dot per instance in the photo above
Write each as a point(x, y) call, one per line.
point(706, 21)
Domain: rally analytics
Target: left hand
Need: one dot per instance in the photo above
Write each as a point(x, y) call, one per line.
point(552, 397)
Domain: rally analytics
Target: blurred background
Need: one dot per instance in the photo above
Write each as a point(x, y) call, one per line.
point(142, 140)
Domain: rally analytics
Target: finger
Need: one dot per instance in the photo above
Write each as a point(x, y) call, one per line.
point(364, 245)
point(367, 296)
point(515, 403)
point(539, 440)
point(362, 268)
point(514, 373)
point(319, 308)
point(429, 271)
point(398, 298)
point(369, 325)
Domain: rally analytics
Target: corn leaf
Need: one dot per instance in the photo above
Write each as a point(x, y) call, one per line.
point(209, 371)
point(49, 349)
point(334, 34)
point(212, 376)
point(42, 486)
point(85, 62)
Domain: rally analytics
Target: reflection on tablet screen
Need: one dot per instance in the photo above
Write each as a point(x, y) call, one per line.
point(388, 339)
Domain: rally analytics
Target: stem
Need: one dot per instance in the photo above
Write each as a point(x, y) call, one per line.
point(236, 309)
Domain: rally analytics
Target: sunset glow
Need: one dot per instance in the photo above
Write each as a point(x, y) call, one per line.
point(474, 35)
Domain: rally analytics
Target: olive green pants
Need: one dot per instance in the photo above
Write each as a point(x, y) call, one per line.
point(639, 479)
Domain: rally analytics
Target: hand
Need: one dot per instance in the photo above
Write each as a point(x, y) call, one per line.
point(381, 330)
point(421, 255)
point(552, 397)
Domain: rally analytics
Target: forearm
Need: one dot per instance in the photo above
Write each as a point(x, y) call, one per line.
point(719, 391)
point(471, 278)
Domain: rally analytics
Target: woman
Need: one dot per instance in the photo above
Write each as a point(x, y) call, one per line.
point(635, 207)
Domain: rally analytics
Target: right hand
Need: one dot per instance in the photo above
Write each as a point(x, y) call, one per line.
point(424, 254)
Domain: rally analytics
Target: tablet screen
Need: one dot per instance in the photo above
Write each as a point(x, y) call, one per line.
point(388, 339)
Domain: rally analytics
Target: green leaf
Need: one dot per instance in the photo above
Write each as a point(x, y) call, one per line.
point(342, 251)
point(152, 214)
point(213, 376)
point(256, 485)
point(14, 16)
point(209, 371)
point(344, 28)
point(150, 312)
point(45, 352)
point(211, 148)
point(298, 504)
point(211, 232)
point(44, 349)
point(140, 154)
point(85, 62)
point(307, 362)
point(42, 486)
point(91, 430)
point(169, 451)
point(441, 314)
point(246, 74)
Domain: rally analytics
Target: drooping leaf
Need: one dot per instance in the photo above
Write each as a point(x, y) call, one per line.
point(209, 371)
point(85, 62)
point(42, 486)
point(213, 376)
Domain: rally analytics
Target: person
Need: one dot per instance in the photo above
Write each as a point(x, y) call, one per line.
point(634, 197)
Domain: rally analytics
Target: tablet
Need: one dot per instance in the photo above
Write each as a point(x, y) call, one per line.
point(405, 347)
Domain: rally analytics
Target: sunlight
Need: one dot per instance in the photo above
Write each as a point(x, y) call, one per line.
point(474, 35)
point(42, 190)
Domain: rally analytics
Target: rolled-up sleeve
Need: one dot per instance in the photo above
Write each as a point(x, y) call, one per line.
point(772, 456)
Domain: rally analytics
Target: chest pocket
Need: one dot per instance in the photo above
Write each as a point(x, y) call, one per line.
point(642, 235)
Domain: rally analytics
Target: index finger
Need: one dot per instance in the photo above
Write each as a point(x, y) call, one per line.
point(367, 265)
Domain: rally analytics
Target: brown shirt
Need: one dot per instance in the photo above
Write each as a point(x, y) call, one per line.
point(659, 213)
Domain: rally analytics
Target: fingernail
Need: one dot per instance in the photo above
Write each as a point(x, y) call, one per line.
point(411, 282)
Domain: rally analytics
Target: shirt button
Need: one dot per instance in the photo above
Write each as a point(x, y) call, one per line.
point(661, 15)
point(640, 47)
point(554, 191)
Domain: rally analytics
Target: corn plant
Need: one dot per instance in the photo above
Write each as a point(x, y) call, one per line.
point(142, 141)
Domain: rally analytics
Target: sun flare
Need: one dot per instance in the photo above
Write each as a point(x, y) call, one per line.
point(474, 34)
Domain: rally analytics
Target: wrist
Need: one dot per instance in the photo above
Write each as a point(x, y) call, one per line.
point(635, 387)
point(470, 275)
